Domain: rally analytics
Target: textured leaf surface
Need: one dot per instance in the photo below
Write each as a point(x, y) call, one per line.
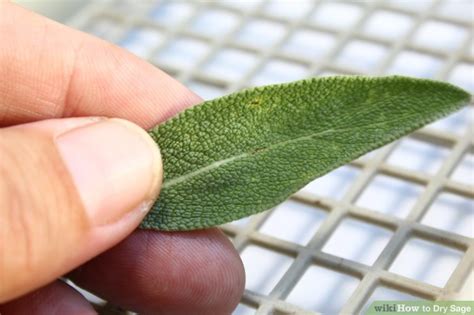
point(246, 152)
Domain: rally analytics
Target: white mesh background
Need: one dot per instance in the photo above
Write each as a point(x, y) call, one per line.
point(395, 224)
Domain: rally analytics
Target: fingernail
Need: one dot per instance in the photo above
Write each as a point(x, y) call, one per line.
point(115, 166)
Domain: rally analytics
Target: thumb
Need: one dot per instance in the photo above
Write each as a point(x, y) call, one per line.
point(69, 189)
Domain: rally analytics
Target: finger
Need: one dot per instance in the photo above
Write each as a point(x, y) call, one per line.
point(55, 298)
point(49, 70)
point(150, 272)
point(69, 189)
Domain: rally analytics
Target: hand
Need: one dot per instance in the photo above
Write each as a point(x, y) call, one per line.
point(72, 188)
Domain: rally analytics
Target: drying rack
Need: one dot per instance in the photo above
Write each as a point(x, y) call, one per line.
point(424, 247)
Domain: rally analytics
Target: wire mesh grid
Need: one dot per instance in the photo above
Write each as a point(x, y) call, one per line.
point(414, 194)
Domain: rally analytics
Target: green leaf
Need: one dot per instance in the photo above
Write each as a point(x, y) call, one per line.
point(246, 152)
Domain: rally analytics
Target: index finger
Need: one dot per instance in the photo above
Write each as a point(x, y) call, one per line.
point(50, 71)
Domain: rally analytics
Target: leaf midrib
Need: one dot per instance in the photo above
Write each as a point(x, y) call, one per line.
point(216, 164)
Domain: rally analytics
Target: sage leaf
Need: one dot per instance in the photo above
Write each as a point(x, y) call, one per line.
point(246, 152)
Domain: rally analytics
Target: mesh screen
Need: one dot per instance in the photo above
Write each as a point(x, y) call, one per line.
point(394, 224)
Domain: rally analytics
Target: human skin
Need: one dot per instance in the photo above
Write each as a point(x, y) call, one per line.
point(52, 220)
